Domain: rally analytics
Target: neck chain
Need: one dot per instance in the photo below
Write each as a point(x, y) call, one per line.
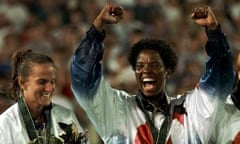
point(29, 123)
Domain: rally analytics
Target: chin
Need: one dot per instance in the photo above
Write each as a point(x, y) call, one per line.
point(149, 94)
point(46, 103)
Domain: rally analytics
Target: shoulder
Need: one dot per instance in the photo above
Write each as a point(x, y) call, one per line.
point(10, 117)
point(177, 103)
point(56, 108)
point(62, 114)
point(11, 113)
point(179, 99)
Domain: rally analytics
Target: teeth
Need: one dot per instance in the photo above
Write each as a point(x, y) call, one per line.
point(148, 80)
point(46, 95)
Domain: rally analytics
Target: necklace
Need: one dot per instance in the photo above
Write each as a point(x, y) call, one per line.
point(28, 121)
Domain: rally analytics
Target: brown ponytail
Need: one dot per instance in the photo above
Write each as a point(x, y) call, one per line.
point(17, 59)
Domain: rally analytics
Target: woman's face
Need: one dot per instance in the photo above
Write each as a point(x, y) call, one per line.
point(39, 86)
point(150, 72)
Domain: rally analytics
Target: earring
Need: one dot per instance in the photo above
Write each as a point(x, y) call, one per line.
point(167, 74)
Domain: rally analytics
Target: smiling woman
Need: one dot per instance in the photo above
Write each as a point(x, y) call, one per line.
point(151, 65)
point(34, 117)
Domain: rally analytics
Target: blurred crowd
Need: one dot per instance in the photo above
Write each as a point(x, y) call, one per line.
point(56, 27)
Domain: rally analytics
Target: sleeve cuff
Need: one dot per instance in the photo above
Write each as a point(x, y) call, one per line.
point(93, 33)
point(214, 33)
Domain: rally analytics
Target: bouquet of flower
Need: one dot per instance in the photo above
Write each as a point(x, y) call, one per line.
point(69, 136)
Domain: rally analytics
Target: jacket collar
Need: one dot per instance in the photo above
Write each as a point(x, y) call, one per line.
point(145, 103)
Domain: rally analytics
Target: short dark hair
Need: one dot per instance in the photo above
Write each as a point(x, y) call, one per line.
point(166, 52)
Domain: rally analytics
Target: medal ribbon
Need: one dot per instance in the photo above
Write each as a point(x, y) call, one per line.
point(27, 118)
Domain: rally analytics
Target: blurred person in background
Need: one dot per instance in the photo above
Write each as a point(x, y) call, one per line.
point(5, 100)
point(16, 13)
point(151, 116)
point(11, 43)
point(34, 118)
point(5, 76)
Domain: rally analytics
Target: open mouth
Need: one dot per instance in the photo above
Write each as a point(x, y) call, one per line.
point(149, 83)
point(46, 95)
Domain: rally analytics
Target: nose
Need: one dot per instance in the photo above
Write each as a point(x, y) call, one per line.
point(146, 68)
point(49, 86)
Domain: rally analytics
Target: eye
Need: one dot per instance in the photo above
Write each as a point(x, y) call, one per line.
point(53, 82)
point(139, 66)
point(42, 81)
point(155, 65)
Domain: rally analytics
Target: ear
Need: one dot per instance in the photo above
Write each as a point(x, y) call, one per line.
point(167, 74)
point(238, 75)
point(21, 82)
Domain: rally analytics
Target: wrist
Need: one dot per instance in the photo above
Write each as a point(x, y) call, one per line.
point(98, 24)
point(212, 26)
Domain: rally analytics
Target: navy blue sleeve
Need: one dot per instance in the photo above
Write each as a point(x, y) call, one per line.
point(85, 64)
point(219, 74)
